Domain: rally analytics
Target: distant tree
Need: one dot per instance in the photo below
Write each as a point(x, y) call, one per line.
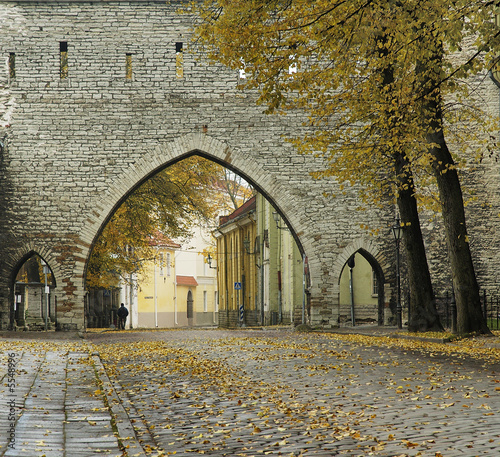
point(236, 189)
point(372, 77)
point(168, 205)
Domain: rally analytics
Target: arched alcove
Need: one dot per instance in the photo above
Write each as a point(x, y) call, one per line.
point(34, 302)
point(361, 284)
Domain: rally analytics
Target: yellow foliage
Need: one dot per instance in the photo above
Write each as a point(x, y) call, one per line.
point(358, 80)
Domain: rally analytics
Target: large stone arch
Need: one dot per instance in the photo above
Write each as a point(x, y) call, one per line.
point(167, 154)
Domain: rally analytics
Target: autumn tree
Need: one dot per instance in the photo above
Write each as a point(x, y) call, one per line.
point(372, 77)
point(235, 189)
point(168, 205)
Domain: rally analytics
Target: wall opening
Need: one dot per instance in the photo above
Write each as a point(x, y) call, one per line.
point(12, 66)
point(128, 66)
point(179, 60)
point(264, 255)
point(361, 296)
point(63, 57)
point(35, 304)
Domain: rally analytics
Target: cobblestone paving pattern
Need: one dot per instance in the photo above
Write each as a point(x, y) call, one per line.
point(245, 393)
point(56, 411)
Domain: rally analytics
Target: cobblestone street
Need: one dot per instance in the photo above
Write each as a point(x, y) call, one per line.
point(279, 393)
point(230, 393)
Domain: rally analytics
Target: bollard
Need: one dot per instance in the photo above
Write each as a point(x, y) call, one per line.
point(453, 307)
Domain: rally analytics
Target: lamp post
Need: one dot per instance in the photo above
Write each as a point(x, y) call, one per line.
point(46, 271)
point(350, 264)
point(209, 261)
point(155, 294)
point(397, 231)
point(277, 219)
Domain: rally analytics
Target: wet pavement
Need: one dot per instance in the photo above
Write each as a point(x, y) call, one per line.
point(50, 406)
point(246, 392)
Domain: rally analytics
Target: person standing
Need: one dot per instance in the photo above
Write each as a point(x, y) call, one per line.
point(122, 316)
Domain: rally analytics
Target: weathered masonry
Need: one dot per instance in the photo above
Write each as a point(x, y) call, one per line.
point(97, 96)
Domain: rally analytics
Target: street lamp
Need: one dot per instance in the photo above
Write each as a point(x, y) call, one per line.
point(246, 245)
point(209, 260)
point(46, 271)
point(277, 219)
point(397, 231)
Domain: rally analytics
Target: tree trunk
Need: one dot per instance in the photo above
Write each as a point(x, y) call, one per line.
point(469, 313)
point(423, 313)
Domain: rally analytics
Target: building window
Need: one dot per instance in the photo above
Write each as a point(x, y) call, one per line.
point(162, 264)
point(63, 51)
point(374, 284)
point(205, 301)
point(179, 60)
point(128, 66)
point(168, 264)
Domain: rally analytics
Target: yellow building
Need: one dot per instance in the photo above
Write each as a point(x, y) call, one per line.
point(237, 267)
point(359, 300)
point(260, 268)
point(176, 289)
point(156, 289)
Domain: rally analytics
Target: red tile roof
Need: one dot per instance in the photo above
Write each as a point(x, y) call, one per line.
point(248, 206)
point(186, 281)
point(159, 239)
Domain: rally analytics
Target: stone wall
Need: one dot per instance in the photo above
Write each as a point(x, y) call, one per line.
point(74, 147)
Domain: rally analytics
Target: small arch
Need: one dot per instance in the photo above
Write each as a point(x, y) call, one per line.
point(22, 254)
point(33, 303)
point(371, 267)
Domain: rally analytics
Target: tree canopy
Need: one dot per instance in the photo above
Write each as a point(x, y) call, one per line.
point(385, 84)
point(190, 193)
point(325, 57)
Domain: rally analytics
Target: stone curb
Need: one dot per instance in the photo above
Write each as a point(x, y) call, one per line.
point(126, 431)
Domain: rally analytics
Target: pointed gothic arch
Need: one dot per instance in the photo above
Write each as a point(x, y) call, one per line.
point(371, 310)
point(167, 154)
point(33, 303)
